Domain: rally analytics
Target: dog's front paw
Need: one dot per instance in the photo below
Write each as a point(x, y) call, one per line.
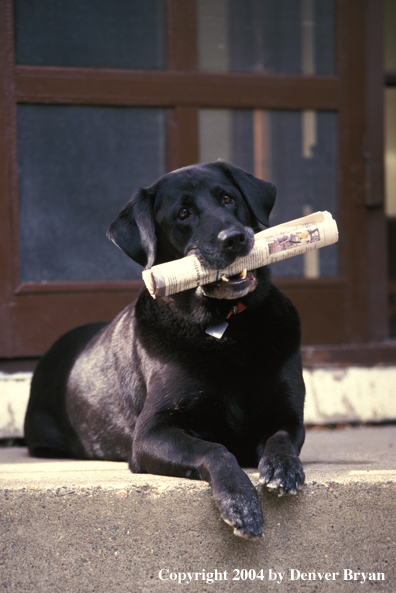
point(243, 513)
point(282, 473)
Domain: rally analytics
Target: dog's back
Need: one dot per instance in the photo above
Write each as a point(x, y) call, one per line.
point(48, 432)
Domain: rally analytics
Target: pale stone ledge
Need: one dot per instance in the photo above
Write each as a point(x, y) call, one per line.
point(334, 395)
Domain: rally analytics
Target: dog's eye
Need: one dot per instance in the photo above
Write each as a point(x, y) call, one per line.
point(183, 214)
point(227, 200)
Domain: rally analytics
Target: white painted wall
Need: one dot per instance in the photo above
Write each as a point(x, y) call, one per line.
point(351, 394)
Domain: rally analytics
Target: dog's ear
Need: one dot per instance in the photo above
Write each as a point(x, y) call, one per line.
point(260, 195)
point(133, 230)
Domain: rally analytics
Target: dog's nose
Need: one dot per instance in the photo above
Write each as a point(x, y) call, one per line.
point(232, 240)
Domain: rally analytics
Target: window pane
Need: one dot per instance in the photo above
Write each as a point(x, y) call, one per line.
point(78, 166)
point(390, 35)
point(296, 150)
point(390, 151)
point(390, 194)
point(90, 33)
point(276, 36)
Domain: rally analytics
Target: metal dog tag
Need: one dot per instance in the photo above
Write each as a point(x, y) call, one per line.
point(217, 329)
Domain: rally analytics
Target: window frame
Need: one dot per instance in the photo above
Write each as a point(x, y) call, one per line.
point(349, 308)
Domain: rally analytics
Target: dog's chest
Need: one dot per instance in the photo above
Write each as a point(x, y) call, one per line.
point(222, 403)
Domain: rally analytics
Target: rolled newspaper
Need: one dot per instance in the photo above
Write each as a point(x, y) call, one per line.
point(271, 245)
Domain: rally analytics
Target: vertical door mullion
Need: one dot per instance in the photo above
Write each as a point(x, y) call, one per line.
point(183, 141)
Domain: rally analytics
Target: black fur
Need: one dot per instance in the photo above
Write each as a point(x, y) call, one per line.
point(153, 387)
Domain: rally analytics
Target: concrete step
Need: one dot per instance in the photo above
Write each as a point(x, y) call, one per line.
point(90, 526)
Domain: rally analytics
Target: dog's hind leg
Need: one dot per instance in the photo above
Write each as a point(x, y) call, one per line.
point(44, 437)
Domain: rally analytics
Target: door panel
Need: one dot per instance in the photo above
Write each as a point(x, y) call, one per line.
point(78, 137)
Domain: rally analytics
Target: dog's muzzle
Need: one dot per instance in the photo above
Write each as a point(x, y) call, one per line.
point(235, 241)
point(231, 287)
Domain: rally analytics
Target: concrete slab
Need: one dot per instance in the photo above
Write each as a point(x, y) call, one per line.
point(93, 526)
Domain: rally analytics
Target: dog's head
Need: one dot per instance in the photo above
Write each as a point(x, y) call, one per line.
point(211, 210)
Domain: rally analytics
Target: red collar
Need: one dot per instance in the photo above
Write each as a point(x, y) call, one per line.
point(238, 308)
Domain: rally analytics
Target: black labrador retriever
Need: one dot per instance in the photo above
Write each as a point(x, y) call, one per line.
point(160, 386)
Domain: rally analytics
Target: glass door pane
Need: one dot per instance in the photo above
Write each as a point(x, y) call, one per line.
point(275, 36)
point(78, 166)
point(390, 187)
point(91, 33)
point(390, 155)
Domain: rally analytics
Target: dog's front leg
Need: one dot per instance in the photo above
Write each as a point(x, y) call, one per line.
point(280, 466)
point(170, 451)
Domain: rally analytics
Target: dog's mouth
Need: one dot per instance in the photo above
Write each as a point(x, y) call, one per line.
point(231, 287)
